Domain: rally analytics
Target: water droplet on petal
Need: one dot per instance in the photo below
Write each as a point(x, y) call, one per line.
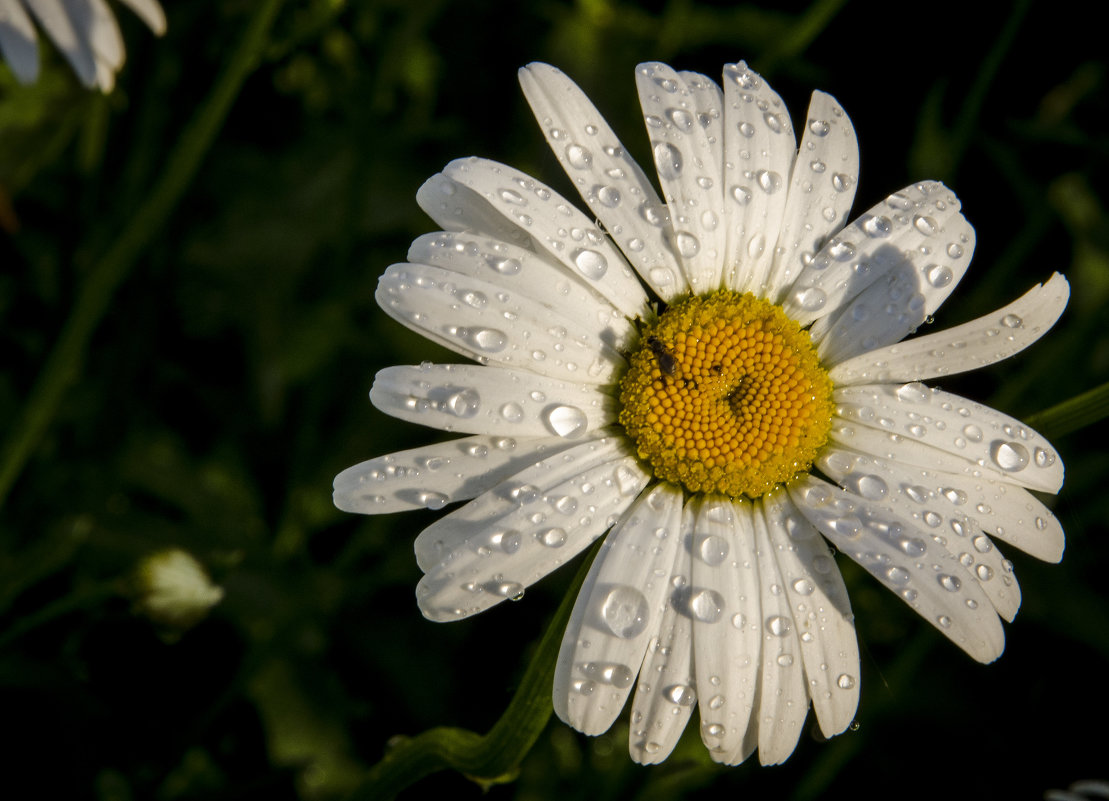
point(578, 156)
point(949, 583)
point(624, 610)
point(713, 549)
point(778, 625)
point(464, 403)
point(819, 127)
point(590, 263)
point(568, 422)
point(668, 160)
point(1009, 456)
point(707, 605)
point(681, 694)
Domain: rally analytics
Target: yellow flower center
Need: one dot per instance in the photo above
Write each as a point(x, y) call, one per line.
point(726, 394)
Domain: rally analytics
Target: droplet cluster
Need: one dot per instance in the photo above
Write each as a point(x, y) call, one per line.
point(726, 395)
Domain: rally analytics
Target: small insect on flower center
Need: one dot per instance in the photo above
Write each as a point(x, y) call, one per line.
point(726, 395)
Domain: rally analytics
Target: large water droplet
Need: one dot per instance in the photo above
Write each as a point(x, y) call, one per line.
point(681, 694)
point(949, 583)
point(578, 156)
point(741, 195)
point(712, 549)
point(553, 537)
point(769, 181)
point(877, 226)
point(609, 196)
point(688, 245)
point(1011, 457)
point(707, 605)
point(568, 422)
point(489, 340)
point(925, 225)
point(464, 403)
point(939, 275)
point(819, 127)
point(668, 160)
point(871, 487)
point(810, 298)
point(778, 625)
point(624, 610)
point(590, 263)
point(512, 412)
point(433, 500)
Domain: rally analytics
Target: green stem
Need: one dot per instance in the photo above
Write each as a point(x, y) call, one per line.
point(1072, 414)
point(488, 756)
point(63, 366)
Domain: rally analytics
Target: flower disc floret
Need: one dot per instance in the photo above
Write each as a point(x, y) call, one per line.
point(726, 395)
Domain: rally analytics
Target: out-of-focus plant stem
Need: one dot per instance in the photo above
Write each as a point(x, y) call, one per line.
point(63, 366)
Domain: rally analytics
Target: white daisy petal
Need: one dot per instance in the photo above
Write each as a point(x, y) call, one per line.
point(55, 18)
point(980, 342)
point(687, 169)
point(18, 43)
point(485, 322)
point(456, 207)
point(873, 249)
point(981, 438)
point(665, 694)
point(150, 12)
point(821, 612)
point(759, 150)
point(472, 399)
point(894, 306)
point(609, 180)
point(783, 699)
point(527, 273)
point(556, 227)
point(821, 190)
point(727, 625)
point(708, 99)
point(934, 506)
point(618, 609)
point(492, 549)
point(902, 557)
point(436, 475)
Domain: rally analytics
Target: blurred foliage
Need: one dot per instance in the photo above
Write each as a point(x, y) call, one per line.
point(225, 386)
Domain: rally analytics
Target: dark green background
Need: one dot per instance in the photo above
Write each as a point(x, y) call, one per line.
point(226, 385)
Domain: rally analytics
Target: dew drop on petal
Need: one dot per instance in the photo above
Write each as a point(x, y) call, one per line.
point(778, 625)
point(707, 605)
point(668, 160)
point(1011, 457)
point(948, 582)
point(578, 156)
point(712, 549)
point(568, 422)
point(624, 610)
point(512, 412)
point(681, 694)
point(464, 403)
point(939, 275)
point(590, 263)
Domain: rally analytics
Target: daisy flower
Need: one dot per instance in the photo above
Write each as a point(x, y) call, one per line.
point(717, 380)
point(85, 31)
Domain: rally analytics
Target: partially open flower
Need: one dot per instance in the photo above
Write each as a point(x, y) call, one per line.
point(174, 591)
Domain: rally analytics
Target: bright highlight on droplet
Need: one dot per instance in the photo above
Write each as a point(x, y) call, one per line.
point(726, 395)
